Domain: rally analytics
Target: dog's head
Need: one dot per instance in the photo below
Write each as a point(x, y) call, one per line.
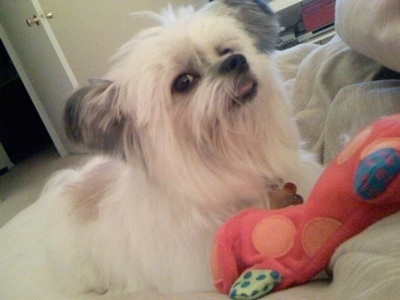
point(200, 80)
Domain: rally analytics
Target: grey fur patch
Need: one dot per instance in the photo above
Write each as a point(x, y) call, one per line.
point(258, 20)
point(93, 119)
point(94, 186)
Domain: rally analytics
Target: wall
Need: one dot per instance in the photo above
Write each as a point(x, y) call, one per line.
point(91, 31)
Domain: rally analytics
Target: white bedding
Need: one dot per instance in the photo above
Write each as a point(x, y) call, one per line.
point(333, 97)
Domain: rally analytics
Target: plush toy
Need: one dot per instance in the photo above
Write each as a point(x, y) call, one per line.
point(258, 251)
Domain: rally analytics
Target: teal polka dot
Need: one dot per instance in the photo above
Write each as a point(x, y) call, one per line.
point(261, 277)
point(245, 284)
point(267, 288)
point(233, 294)
point(247, 275)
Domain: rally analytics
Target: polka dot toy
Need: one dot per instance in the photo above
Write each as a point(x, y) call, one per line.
point(259, 251)
point(254, 284)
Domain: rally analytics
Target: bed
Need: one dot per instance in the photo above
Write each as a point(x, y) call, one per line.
point(336, 89)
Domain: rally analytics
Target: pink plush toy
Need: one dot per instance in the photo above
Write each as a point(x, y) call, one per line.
point(258, 251)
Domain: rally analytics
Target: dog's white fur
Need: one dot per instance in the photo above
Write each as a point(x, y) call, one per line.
point(185, 161)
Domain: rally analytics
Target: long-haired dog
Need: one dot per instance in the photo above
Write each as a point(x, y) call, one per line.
point(196, 126)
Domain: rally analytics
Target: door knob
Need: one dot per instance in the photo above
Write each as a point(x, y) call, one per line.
point(34, 20)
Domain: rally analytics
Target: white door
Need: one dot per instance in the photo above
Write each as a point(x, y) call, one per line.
point(39, 62)
point(91, 31)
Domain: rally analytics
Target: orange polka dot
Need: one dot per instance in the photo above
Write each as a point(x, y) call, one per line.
point(353, 146)
point(381, 144)
point(316, 232)
point(274, 236)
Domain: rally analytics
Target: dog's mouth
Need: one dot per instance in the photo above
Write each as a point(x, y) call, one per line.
point(245, 92)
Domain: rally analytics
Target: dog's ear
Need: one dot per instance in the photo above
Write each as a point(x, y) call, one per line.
point(94, 119)
point(258, 20)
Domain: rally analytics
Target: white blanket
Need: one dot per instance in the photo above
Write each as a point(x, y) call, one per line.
point(333, 98)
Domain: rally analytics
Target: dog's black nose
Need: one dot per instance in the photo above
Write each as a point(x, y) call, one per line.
point(234, 63)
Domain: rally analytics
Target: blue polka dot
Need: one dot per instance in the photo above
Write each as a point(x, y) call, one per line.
point(376, 172)
point(275, 275)
point(245, 284)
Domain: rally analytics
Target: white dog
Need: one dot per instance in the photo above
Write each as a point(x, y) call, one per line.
point(198, 128)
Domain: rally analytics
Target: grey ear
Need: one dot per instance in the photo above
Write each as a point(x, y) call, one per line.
point(258, 20)
point(93, 118)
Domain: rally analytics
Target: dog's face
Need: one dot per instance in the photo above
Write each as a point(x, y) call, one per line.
point(199, 84)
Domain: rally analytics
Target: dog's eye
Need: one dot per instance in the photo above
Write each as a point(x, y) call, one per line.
point(183, 83)
point(225, 51)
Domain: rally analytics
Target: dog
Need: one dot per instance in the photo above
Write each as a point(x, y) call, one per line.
point(193, 125)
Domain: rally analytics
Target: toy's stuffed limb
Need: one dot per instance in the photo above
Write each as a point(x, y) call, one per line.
point(269, 249)
point(233, 255)
point(262, 250)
